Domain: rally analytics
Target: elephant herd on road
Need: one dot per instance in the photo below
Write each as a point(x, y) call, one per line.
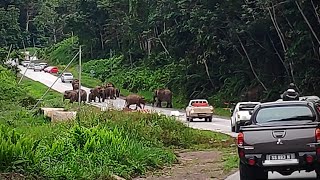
point(109, 91)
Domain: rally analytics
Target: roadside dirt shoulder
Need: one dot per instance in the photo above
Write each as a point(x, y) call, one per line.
point(193, 165)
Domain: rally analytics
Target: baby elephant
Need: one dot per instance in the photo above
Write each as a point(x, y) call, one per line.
point(135, 99)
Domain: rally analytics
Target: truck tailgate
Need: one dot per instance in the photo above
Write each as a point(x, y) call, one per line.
point(199, 110)
point(279, 139)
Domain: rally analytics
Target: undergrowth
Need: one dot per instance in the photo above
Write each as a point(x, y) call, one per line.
point(97, 146)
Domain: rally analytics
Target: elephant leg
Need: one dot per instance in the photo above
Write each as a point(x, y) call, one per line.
point(128, 105)
point(169, 104)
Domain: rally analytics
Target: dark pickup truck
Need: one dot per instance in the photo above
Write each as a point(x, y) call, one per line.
point(282, 137)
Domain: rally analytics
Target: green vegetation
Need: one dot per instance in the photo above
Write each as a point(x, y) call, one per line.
point(220, 50)
point(99, 145)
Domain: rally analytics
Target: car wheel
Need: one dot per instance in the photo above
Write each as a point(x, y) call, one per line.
point(232, 127)
point(190, 119)
point(210, 119)
point(237, 127)
point(187, 118)
point(318, 174)
point(252, 173)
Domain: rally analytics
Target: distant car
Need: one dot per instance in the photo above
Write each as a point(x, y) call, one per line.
point(31, 66)
point(199, 108)
point(43, 65)
point(66, 77)
point(25, 63)
point(241, 114)
point(51, 69)
point(37, 67)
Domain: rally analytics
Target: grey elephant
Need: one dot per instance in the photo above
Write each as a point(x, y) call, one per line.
point(83, 95)
point(135, 99)
point(162, 95)
point(109, 93)
point(97, 92)
point(71, 95)
point(92, 97)
point(75, 84)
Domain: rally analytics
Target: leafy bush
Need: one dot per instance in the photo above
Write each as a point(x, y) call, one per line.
point(16, 150)
point(9, 90)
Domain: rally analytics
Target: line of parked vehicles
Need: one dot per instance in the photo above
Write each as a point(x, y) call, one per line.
point(281, 136)
point(42, 66)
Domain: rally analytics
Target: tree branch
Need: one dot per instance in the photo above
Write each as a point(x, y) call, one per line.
point(306, 20)
point(251, 66)
point(315, 11)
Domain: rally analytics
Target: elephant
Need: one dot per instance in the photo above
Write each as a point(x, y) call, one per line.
point(83, 95)
point(96, 92)
point(162, 95)
point(75, 84)
point(92, 97)
point(109, 93)
point(135, 99)
point(117, 92)
point(71, 95)
point(109, 84)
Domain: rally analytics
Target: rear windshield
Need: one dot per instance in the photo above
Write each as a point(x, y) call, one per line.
point(246, 107)
point(68, 74)
point(284, 113)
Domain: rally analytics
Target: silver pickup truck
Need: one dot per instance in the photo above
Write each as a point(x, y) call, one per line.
point(199, 108)
point(281, 136)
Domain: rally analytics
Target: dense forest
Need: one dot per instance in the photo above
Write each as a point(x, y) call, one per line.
point(221, 50)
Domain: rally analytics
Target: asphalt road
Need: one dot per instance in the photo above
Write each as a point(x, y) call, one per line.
point(218, 124)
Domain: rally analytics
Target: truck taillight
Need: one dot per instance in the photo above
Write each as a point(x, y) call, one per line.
point(317, 134)
point(240, 139)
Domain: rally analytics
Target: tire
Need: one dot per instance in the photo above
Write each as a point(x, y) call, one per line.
point(233, 129)
point(190, 119)
point(209, 119)
point(237, 127)
point(318, 174)
point(187, 119)
point(252, 173)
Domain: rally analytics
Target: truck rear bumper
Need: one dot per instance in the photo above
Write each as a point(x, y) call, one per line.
point(285, 166)
point(200, 115)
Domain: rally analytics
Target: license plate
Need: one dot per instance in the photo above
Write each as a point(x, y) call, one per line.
point(280, 156)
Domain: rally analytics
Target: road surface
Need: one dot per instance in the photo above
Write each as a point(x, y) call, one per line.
point(218, 124)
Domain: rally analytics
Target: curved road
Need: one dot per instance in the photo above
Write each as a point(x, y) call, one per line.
point(218, 124)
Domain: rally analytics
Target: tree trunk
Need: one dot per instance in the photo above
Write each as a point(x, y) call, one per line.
point(54, 35)
point(101, 39)
point(306, 20)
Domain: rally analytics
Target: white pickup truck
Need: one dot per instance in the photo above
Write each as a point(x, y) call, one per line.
point(199, 108)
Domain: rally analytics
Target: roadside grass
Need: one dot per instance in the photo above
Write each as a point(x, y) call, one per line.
point(99, 145)
point(222, 112)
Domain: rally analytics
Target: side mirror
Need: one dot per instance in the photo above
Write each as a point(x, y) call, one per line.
point(250, 112)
